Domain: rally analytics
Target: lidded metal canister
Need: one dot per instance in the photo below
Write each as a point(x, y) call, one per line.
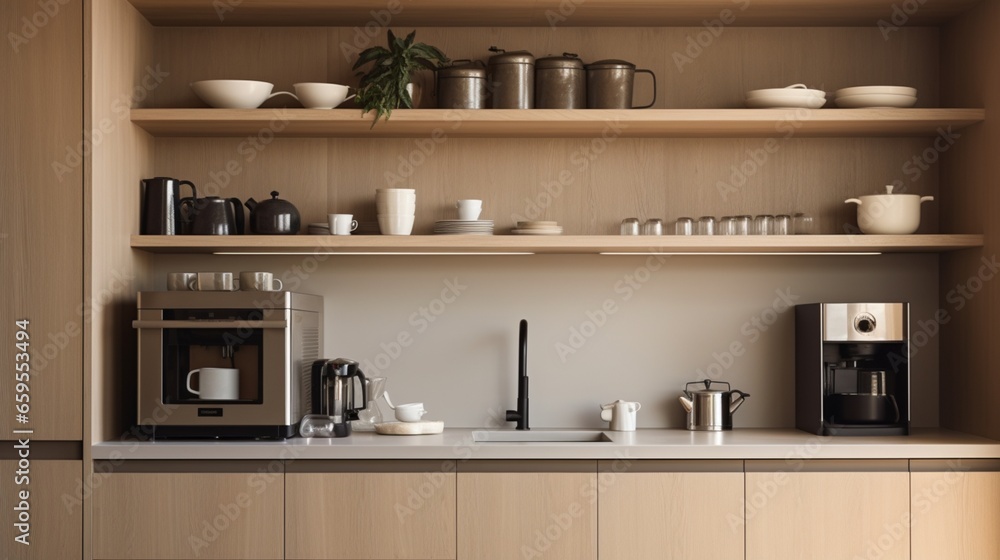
point(512, 79)
point(461, 85)
point(560, 82)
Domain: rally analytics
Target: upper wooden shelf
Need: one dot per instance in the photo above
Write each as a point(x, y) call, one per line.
point(544, 13)
point(557, 244)
point(556, 123)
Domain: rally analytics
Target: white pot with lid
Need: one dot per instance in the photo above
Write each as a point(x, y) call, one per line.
point(889, 214)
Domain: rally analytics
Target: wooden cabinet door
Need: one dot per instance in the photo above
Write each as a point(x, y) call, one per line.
point(54, 525)
point(955, 509)
point(549, 510)
point(651, 510)
point(41, 217)
point(827, 509)
point(370, 510)
point(157, 515)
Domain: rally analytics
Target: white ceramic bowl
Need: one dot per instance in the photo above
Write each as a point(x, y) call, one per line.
point(790, 90)
point(316, 95)
point(411, 191)
point(410, 412)
point(395, 224)
point(864, 90)
point(234, 94)
point(876, 100)
point(783, 100)
point(889, 214)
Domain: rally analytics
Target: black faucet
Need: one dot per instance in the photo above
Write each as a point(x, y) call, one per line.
point(521, 414)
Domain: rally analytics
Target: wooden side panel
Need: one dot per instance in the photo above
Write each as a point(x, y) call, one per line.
point(955, 515)
point(56, 526)
point(650, 516)
point(147, 516)
point(41, 218)
point(970, 290)
point(527, 515)
point(846, 515)
point(359, 516)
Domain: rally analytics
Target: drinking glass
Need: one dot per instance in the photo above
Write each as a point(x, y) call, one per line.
point(684, 226)
point(802, 224)
point(727, 225)
point(762, 224)
point(742, 224)
point(630, 226)
point(706, 225)
point(782, 225)
point(653, 226)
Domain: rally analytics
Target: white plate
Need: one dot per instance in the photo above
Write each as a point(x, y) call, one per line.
point(786, 102)
point(864, 90)
point(790, 90)
point(536, 231)
point(876, 100)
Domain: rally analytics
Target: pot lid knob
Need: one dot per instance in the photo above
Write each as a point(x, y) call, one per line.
point(274, 194)
point(888, 189)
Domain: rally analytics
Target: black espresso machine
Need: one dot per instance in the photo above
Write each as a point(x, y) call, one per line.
point(852, 369)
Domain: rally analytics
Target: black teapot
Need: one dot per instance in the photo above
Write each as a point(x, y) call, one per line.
point(274, 216)
point(217, 216)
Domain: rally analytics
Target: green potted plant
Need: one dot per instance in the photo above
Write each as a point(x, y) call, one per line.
point(383, 87)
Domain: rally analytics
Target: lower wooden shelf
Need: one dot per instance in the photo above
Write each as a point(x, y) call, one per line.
point(557, 244)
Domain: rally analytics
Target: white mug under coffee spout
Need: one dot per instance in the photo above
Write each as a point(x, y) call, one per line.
point(621, 414)
point(216, 384)
point(469, 210)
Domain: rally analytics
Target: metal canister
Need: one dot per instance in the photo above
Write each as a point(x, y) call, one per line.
point(609, 85)
point(512, 79)
point(560, 82)
point(461, 86)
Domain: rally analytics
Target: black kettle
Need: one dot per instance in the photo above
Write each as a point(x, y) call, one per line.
point(217, 216)
point(161, 205)
point(333, 392)
point(274, 217)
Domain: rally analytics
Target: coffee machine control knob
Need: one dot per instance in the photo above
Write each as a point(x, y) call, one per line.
point(864, 323)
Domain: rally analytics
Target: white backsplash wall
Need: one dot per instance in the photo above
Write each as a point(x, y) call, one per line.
point(443, 329)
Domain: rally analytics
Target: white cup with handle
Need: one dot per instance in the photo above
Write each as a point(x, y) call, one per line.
point(342, 224)
point(469, 209)
point(215, 384)
point(259, 282)
point(621, 414)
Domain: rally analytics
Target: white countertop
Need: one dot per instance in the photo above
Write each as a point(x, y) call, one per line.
point(458, 444)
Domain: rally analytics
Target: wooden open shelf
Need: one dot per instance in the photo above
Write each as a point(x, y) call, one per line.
point(543, 13)
point(558, 244)
point(556, 123)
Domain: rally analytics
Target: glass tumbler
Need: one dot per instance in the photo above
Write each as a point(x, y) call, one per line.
point(653, 226)
point(727, 225)
point(802, 224)
point(630, 226)
point(782, 225)
point(706, 225)
point(762, 224)
point(742, 225)
point(684, 226)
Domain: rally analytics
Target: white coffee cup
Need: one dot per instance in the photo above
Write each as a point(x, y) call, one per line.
point(469, 209)
point(342, 224)
point(317, 95)
point(213, 282)
point(216, 384)
point(621, 414)
point(410, 412)
point(259, 282)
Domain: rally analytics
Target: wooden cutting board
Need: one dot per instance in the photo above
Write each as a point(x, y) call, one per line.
point(409, 428)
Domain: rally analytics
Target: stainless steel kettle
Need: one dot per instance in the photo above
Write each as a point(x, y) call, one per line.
point(711, 409)
point(333, 392)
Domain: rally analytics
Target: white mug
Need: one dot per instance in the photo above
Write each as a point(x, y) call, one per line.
point(621, 414)
point(259, 282)
point(469, 210)
point(410, 412)
point(217, 384)
point(342, 224)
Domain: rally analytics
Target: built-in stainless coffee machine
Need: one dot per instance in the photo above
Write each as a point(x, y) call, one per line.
point(852, 369)
point(226, 364)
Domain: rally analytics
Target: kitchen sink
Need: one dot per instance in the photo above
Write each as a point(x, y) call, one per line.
point(541, 436)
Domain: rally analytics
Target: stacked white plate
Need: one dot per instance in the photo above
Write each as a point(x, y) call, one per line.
point(468, 227)
point(876, 96)
point(794, 96)
point(537, 228)
point(319, 228)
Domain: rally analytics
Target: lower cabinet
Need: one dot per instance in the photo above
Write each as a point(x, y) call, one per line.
point(655, 510)
point(370, 510)
point(153, 510)
point(828, 509)
point(48, 521)
point(954, 509)
point(527, 509)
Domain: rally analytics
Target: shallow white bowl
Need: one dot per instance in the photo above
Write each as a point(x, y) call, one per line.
point(876, 100)
point(233, 94)
point(779, 101)
point(786, 91)
point(317, 95)
point(864, 90)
